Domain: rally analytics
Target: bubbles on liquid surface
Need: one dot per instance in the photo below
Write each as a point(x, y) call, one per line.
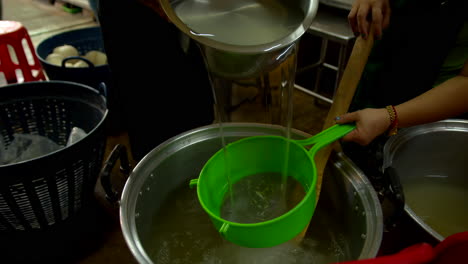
point(183, 233)
point(260, 197)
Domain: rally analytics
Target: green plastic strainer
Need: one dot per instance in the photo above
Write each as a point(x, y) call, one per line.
point(264, 154)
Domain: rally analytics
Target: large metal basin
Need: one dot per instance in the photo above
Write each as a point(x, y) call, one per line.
point(431, 162)
point(162, 221)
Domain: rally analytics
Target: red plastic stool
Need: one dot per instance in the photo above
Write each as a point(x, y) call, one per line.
point(18, 60)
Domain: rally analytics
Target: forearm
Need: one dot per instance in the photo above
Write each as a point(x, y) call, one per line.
point(446, 100)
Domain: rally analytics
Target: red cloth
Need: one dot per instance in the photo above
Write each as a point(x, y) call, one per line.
point(452, 250)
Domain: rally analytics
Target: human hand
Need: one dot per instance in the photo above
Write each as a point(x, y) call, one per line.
point(370, 123)
point(362, 10)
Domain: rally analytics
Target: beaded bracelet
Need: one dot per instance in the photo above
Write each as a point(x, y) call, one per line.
point(392, 113)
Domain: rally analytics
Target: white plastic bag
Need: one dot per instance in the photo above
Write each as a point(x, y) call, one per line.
point(76, 135)
point(26, 147)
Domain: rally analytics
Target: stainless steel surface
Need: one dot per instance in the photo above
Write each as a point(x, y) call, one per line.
point(309, 9)
point(343, 4)
point(331, 25)
point(348, 198)
point(244, 61)
point(244, 66)
point(431, 150)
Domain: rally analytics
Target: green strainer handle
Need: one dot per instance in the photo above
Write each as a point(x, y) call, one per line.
point(326, 137)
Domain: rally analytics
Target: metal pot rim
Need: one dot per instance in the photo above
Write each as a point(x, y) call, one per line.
point(395, 142)
point(405, 134)
point(252, 49)
point(162, 151)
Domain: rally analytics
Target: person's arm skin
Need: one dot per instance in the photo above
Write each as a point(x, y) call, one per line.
point(378, 11)
point(449, 99)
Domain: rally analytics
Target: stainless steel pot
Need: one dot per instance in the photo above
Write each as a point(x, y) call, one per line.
point(431, 163)
point(347, 223)
point(241, 61)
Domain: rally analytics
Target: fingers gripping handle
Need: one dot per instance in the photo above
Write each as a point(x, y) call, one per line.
point(327, 136)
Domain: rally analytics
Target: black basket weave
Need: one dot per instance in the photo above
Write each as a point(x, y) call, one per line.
point(44, 191)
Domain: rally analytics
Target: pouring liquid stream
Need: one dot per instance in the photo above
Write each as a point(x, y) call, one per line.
point(264, 90)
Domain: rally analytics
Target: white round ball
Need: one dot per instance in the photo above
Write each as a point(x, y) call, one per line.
point(66, 51)
point(96, 57)
point(81, 64)
point(55, 59)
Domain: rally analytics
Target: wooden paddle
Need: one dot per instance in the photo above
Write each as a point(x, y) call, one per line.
point(341, 101)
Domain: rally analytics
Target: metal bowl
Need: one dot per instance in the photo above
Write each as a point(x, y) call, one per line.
point(431, 163)
point(347, 223)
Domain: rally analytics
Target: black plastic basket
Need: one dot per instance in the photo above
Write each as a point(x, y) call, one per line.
point(41, 192)
point(83, 40)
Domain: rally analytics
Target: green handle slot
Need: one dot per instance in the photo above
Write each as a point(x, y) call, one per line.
point(193, 183)
point(327, 136)
point(223, 230)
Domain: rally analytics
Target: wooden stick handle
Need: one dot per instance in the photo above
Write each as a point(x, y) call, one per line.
point(350, 79)
point(341, 102)
point(343, 96)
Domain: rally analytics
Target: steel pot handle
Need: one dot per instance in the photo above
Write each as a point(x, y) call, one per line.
point(395, 195)
point(102, 88)
point(119, 152)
